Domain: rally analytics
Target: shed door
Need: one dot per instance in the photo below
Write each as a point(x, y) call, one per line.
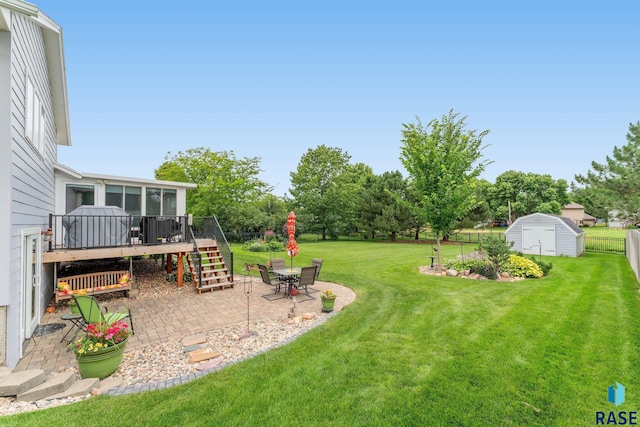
point(537, 238)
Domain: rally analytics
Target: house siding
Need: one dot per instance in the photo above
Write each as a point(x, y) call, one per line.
point(566, 241)
point(31, 191)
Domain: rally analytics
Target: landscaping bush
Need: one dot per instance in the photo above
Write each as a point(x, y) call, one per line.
point(497, 251)
point(262, 246)
point(486, 269)
point(518, 266)
point(544, 266)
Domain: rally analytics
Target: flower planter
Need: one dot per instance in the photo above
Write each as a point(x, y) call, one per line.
point(102, 363)
point(327, 304)
point(74, 308)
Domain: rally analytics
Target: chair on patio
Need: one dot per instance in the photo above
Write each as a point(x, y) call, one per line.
point(318, 262)
point(307, 278)
point(268, 280)
point(278, 264)
point(92, 313)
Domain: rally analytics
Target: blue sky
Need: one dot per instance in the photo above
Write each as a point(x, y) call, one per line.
point(557, 83)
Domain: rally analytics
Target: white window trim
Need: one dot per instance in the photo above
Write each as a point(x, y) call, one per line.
point(34, 117)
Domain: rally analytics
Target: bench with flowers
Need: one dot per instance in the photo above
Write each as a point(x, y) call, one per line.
point(92, 284)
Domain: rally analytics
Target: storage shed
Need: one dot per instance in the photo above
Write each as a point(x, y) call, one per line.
point(546, 234)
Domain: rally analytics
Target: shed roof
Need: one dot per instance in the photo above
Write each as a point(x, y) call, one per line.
point(551, 218)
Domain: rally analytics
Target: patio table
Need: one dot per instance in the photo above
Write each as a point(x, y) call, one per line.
point(287, 275)
point(77, 324)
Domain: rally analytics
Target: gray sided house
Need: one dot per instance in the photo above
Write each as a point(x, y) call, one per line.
point(546, 234)
point(34, 120)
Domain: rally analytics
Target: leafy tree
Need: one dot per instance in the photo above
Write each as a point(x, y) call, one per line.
point(325, 186)
point(443, 163)
point(481, 214)
point(225, 183)
point(615, 184)
point(527, 193)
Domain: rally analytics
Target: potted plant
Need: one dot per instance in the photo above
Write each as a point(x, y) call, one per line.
point(99, 351)
point(328, 298)
point(73, 307)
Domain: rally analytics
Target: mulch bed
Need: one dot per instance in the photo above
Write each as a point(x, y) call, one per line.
point(149, 276)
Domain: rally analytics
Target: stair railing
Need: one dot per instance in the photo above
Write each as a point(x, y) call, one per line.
point(223, 246)
point(198, 260)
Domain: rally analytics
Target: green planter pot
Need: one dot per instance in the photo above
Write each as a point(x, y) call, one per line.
point(327, 304)
point(74, 308)
point(102, 363)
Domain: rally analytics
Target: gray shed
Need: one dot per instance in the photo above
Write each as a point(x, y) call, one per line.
point(547, 234)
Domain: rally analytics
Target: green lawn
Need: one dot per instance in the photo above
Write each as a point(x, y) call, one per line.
point(417, 350)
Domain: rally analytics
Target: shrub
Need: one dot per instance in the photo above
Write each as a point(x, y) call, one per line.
point(544, 266)
point(486, 269)
point(262, 246)
point(518, 266)
point(269, 235)
point(497, 251)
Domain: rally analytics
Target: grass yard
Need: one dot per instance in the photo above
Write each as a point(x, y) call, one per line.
point(417, 350)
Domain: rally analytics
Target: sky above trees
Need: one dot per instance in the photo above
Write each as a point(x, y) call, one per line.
point(553, 81)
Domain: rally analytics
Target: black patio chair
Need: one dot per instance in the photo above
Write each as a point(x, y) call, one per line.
point(318, 262)
point(307, 278)
point(268, 280)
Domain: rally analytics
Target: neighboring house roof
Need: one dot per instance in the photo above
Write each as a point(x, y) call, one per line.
point(573, 206)
point(52, 34)
point(590, 217)
point(80, 175)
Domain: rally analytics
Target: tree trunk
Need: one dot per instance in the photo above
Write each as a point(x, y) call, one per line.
point(324, 233)
point(417, 234)
point(438, 249)
point(393, 236)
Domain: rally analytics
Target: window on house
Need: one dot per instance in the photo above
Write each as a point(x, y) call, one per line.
point(128, 198)
point(78, 195)
point(133, 200)
point(161, 202)
point(34, 117)
point(113, 195)
point(154, 200)
point(169, 202)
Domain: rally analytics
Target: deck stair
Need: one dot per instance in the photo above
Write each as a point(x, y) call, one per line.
point(215, 273)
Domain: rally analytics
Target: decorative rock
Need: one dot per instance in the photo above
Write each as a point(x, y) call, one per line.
point(210, 364)
point(451, 272)
point(194, 339)
point(308, 316)
point(95, 391)
point(505, 275)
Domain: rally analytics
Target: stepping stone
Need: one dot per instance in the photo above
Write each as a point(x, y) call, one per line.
point(204, 354)
point(78, 388)
point(194, 339)
point(19, 382)
point(205, 366)
point(56, 383)
point(194, 347)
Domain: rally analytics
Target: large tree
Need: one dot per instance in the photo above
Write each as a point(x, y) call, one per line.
point(325, 187)
point(385, 205)
point(615, 184)
point(526, 193)
point(443, 161)
point(225, 182)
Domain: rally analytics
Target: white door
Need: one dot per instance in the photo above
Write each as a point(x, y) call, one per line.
point(539, 239)
point(31, 267)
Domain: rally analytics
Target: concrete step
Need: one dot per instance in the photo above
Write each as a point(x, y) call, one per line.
point(55, 383)
point(78, 388)
point(18, 382)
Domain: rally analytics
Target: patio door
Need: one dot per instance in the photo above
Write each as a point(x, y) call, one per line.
point(31, 268)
